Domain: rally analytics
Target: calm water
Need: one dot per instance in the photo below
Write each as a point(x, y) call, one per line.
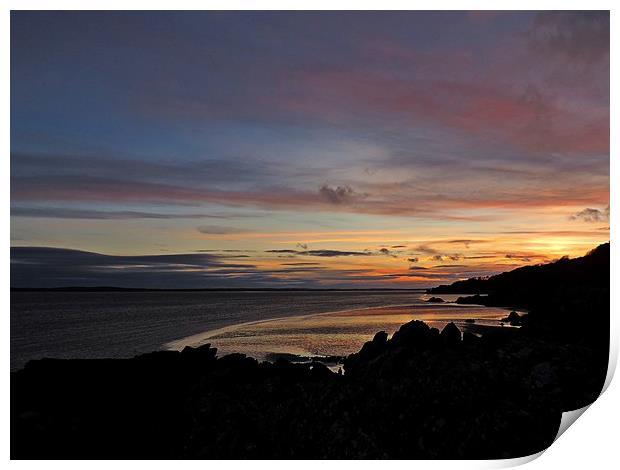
point(337, 333)
point(123, 324)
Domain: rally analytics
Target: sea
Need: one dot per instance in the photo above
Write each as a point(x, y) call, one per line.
point(261, 324)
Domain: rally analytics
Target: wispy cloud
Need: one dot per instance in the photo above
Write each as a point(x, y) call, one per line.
point(426, 249)
point(402, 199)
point(386, 252)
point(219, 229)
point(527, 257)
point(591, 215)
point(573, 35)
point(68, 213)
point(322, 253)
point(339, 194)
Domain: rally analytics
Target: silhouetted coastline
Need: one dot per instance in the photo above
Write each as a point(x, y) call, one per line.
point(420, 394)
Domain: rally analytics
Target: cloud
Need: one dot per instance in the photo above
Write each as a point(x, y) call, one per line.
point(322, 253)
point(211, 171)
point(456, 111)
point(426, 249)
point(510, 116)
point(591, 215)
point(436, 255)
point(88, 189)
point(58, 267)
point(575, 35)
point(36, 181)
point(303, 246)
point(332, 253)
point(466, 242)
point(386, 252)
point(224, 251)
point(527, 257)
point(451, 257)
point(338, 195)
point(518, 257)
point(219, 230)
point(413, 260)
point(301, 263)
point(67, 213)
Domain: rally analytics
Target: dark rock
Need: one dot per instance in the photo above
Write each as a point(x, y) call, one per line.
point(472, 300)
point(369, 351)
point(319, 370)
point(437, 300)
point(159, 356)
point(514, 319)
point(204, 352)
point(413, 334)
point(543, 375)
point(380, 338)
point(377, 346)
point(273, 357)
point(470, 338)
point(300, 359)
point(450, 335)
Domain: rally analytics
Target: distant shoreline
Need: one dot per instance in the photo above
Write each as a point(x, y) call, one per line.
point(219, 289)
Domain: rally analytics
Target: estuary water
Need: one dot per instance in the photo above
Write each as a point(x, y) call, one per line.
point(258, 323)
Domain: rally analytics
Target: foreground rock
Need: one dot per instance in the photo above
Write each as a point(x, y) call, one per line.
point(420, 394)
point(417, 395)
point(514, 319)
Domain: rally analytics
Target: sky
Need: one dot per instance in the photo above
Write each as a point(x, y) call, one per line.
point(304, 149)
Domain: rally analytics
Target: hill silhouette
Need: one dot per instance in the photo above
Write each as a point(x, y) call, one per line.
point(538, 285)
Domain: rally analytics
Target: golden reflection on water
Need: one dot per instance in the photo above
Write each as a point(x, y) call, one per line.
point(339, 333)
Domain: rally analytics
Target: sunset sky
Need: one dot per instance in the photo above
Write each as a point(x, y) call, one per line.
point(308, 149)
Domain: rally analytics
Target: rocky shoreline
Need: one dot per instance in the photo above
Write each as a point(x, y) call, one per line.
point(420, 394)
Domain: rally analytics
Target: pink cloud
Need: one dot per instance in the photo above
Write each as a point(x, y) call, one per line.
point(524, 119)
point(70, 189)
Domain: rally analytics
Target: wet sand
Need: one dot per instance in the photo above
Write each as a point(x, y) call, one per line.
point(335, 333)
